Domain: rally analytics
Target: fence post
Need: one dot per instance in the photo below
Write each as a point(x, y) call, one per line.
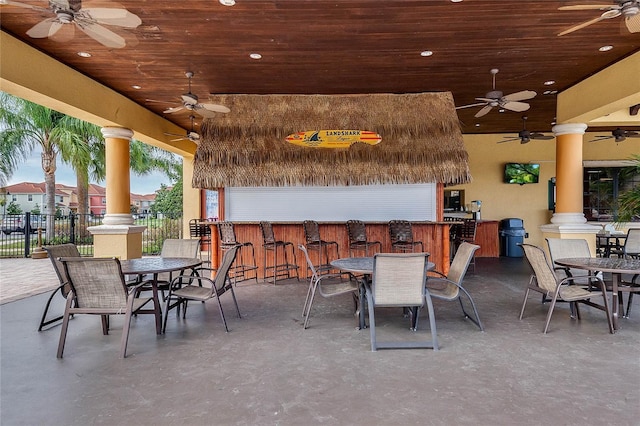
point(27, 234)
point(72, 224)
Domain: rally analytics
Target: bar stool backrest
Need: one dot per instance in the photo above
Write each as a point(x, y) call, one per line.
point(400, 231)
point(311, 231)
point(227, 233)
point(357, 231)
point(267, 233)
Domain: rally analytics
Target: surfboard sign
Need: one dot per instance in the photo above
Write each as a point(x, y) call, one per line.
point(333, 138)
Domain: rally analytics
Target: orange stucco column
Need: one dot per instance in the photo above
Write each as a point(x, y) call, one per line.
point(117, 176)
point(569, 221)
point(569, 173)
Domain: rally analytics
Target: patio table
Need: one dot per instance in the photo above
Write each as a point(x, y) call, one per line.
point(154, 266)
point(616, 267)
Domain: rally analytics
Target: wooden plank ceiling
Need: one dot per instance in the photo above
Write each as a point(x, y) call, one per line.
point(340, 47)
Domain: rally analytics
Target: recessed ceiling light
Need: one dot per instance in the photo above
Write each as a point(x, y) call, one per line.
point(501, 110)
point(549, 92)
point(228, 2)
point(426, 53)
point(84, 54)
point(605, 48)
point(477, 124)
point(456, 1)
point(255, 56)
point(135, 86)
point(549, 82)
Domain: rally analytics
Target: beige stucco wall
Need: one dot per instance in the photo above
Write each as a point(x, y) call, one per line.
point(528, 202)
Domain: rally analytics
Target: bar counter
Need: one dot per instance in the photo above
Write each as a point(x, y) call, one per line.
point(434, 236)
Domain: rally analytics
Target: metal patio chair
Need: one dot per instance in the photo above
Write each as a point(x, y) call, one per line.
point(449, 287)
point(98, 288)
point(399, 281)
point(401, 235)
point(357, 231)
point(545, 281)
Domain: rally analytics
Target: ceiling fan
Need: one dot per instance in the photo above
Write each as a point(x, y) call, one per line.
point(630, 9)
point(191, 135)
point(525, 136)
point(496, 98)
point(89, 21)
point(190, 103)
point(619, 135)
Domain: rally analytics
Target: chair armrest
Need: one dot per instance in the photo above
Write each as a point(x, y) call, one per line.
point(438, 273)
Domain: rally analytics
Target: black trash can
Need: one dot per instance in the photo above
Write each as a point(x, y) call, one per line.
point(511, 233)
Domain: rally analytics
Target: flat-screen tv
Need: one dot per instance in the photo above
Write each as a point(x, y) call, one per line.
point(521, 173)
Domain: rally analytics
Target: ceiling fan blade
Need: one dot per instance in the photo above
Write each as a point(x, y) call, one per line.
point(471, 105)
point(173, 109)
point(632, 134)
point(520, 96)
point(214, 107)
point(516, 106)
point(160, 102)
point(103, 36)
point(183, 138)
point(26, 6)
point(633, 23)
point(64, 34)
point(487, 100)
point(509, 140)
point(580, 26)
point(600, 138)
point(540, 136)
point(112, 16)
point(587, 7)
point(484, 111)
point(45, 28)
point(205, 113)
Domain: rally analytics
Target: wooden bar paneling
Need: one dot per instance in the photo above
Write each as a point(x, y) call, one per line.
point(487, 238)
point(434, 236)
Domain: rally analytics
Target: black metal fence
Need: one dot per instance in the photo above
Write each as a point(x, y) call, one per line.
point(23, 233)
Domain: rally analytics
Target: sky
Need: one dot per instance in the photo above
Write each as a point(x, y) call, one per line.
point(31, 171)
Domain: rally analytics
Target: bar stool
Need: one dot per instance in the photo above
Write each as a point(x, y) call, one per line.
point(401, 235)
point(315, 243)
point(240, 267)
point(270, 244)
point(358, 238)
point(198, 228)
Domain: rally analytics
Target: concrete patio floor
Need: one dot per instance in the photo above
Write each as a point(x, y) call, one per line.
point(269, 371)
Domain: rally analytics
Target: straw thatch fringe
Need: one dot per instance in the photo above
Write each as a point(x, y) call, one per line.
point(421, 141)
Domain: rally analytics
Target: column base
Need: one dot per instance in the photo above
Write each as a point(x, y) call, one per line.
point(121, 241)
point(118, 219)
point(571, 226)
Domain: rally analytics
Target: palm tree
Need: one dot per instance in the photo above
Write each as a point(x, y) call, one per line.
point(25, 126)
point(629, 200)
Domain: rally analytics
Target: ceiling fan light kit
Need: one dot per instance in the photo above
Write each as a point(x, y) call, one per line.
point(495, 98)
point(190, 103)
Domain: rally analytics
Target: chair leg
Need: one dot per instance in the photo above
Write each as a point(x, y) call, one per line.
point(626, 315)
point(432, 323)
point(476, 321)
point(224, 321)
point(306, 318)
point(235, 301)
point(372, 322)
point(524, 303)
point(105, 324)
point(553, 304)
point(46, 309)
point(65, 325)
point(125, 334)
point(306, 300)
